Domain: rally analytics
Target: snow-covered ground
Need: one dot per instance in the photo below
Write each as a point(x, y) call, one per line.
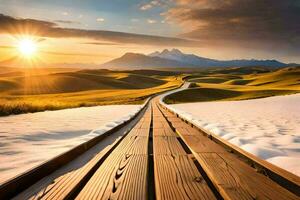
point(27, 140)
point(268, 128)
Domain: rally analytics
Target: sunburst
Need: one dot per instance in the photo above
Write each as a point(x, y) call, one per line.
point(27, 47)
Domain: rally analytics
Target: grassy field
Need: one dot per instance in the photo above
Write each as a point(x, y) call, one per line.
point(32, 90)
point(239, 84)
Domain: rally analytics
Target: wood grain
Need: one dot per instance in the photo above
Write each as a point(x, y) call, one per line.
point(176, 175)
point(167, 146)
point(233, 178)
point(123, 175)
point(236, 180)
point(201, 144)
point(164, 132)
point(120, 177)
point(63, 186)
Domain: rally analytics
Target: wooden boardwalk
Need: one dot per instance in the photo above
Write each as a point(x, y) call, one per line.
point(161, 157)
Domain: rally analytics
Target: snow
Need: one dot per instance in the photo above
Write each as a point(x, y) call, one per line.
point(268, 128)
point(28, 140)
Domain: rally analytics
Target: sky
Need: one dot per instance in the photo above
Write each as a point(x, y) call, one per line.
point(96, 31)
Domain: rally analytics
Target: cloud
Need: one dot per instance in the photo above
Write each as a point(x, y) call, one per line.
point(151, 21)
point(100, 43)
point(264, 24)
point(99, 19)
point(65, 13)
point(146, 7)
point(40, 28)
point(69, 54)
point(155, 3)
point(134, 20)
point(67, 22)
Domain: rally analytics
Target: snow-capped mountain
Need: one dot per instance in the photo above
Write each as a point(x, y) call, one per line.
point(194, 60)
point(176, 58)
point(135, 60)
point(177, 55)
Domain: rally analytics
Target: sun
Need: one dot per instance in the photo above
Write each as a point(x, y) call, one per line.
point(27, 47)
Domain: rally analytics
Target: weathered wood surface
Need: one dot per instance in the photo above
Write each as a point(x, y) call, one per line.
point(120, 177)
point(176, 175)
point(67, 184)
point(123, 175)
point(63, 186)
point(236, 180)
point(231, 177)
point(279, 175)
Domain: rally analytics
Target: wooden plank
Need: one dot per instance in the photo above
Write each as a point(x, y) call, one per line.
point(121, 177)
point(236, 180)
point(123, 174)
point(164, 132)
point(279, 175)
point(133, 145)
point(233, 178)
point(178, 124)
point(201, 144)
point(63, 186)
point(174, 119)
point(183, 131)
point(159, 132)
point(159, 118)
point(157, 124)
point(135, 142)
point(167, 146)
point(270, 189)
point(139, 132)
point(170, 133)
point(145, 125)
point(22, 182)
point(114, 178)
point(176, 177)
point(166, 125)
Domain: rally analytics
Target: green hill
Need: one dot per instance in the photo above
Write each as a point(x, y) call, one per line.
point(226, 85)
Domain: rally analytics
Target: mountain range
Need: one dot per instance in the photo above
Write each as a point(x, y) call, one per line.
point(176, 58)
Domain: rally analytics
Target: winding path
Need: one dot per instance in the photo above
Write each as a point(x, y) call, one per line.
point(157, 155)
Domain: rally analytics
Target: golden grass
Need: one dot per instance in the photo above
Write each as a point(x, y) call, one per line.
point(226, 86)
point(77, 89)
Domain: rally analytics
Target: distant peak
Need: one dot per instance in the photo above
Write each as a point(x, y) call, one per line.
point(177, 51)
point(129, 54)
point(165, 51)
point(173, 51)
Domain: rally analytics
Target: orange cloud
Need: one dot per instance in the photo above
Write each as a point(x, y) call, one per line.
point(50, 29)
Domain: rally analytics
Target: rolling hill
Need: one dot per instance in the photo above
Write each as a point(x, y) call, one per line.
point(230, 85)
point(33, 90)
point(82, 80)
